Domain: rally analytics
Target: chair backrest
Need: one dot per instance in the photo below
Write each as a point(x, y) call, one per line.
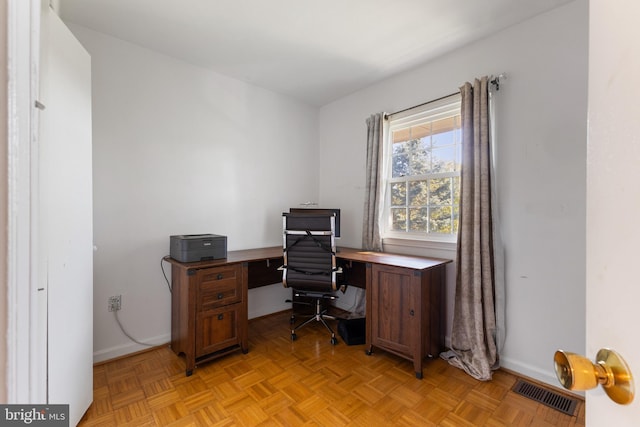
point(309, 252)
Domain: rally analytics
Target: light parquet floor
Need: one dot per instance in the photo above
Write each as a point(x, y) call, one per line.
point(308, 382)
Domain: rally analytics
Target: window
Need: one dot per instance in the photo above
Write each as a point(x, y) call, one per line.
point(422, 155)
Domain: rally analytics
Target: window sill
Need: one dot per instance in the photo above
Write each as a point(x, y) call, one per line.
point(394, 244)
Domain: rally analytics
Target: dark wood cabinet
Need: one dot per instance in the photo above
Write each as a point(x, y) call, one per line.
point(394, 296)
point(208, 311)
point(405, 311)
point(219, 308)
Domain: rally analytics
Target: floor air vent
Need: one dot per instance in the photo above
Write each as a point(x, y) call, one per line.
point(564, 404)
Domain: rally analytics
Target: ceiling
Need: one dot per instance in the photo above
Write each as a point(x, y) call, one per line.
point(315, 51)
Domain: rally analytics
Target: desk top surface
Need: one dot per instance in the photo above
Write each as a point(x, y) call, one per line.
point(395, 260)
point(349, 254)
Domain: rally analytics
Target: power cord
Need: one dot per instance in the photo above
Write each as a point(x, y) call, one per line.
point(165, 276)
point(115, 313)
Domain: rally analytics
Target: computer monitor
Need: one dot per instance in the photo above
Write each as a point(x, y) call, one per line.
point(327, 211)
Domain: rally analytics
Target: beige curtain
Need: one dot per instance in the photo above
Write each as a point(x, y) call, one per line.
point(371, 239)
point(473, 338)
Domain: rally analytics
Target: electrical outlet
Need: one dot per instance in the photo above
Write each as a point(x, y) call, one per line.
point(115, 303)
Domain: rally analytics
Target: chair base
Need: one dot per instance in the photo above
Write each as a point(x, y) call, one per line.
point(319, 316)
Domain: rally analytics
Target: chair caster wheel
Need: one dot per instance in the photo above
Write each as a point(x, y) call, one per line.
point(368, 352)
point(294, 337)
point(334, 340)
point(292, 320)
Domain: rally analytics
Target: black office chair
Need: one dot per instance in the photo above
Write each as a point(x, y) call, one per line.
point(310, 264)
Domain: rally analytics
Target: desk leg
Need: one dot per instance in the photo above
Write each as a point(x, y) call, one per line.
point(244, 312)
point(191, 364)
point(368, 309)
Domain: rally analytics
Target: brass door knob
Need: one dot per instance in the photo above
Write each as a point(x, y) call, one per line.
point(576, 372)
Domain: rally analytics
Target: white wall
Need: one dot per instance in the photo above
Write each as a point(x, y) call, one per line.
point(181, 150)
point(541, 130)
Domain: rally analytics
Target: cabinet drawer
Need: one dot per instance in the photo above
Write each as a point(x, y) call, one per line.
point(218, 287)
point(217, 329)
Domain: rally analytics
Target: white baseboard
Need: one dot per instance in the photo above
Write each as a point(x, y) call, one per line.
point(533, 372)
point(131, 347)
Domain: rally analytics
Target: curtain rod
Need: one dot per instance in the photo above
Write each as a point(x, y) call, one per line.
point(494, 81)
point(386, 116)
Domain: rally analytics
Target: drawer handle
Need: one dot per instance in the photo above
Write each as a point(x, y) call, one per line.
point(412, 313)
point(220, 316)
point(220, 276)
point(220, 296)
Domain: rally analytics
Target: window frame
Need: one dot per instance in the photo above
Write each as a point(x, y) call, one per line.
point(439, 109)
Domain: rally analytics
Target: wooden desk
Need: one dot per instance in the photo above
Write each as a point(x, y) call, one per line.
point(405, 302)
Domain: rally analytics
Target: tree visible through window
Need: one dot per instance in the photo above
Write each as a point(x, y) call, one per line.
point(423, 178)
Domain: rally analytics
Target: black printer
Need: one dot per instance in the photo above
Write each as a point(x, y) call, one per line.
point(198, 247)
